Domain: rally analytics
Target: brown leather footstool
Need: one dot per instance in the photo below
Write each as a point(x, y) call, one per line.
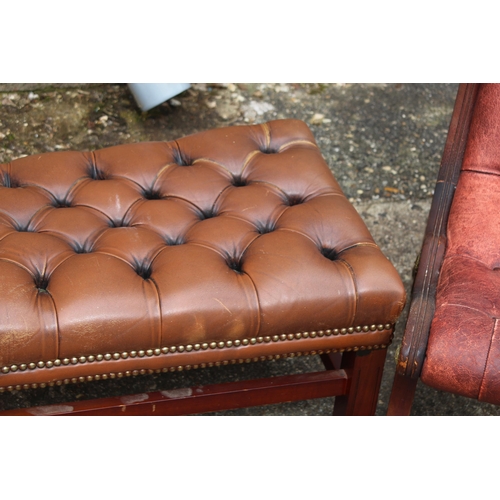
point(228, 246)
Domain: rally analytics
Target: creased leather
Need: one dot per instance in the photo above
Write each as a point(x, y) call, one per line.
point(224, 235)
point(463, 354)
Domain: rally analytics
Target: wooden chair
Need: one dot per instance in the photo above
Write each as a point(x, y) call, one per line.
point(451, 340)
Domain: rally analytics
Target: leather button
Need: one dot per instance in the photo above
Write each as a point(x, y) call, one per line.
point(143, 269)
point(269, 150)
point(293, 200)
point(265, 227)
point(61, 204)
point(235, 264)
point(238, 181)
point(182, 159)
point(208, 214)
point(41, 283)
point(152, 194)
point(329, 253)
point(8, 181)
point(97, 174)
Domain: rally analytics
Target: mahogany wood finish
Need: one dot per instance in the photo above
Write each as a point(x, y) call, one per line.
point(365, 375)
point(356, 389)
point(422, 306)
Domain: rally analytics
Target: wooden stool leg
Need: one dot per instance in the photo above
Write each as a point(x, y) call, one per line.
point(364, 369)
point(403, 392)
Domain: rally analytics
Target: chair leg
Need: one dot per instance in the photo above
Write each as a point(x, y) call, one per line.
point(364, 369)
point(332, 360)
point(402, 394)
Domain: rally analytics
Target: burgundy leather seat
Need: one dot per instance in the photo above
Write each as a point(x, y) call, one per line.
point(463, 354)
point(451, 340)
point(231, 245)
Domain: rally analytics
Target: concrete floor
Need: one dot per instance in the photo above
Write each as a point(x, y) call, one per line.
point(383, 143)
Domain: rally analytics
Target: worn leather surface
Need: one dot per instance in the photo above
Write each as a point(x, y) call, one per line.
point(235, 236)
point(463, 354)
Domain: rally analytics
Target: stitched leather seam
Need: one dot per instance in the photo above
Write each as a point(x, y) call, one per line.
point(461, 255)
point(474, 170)
point(353, 277)
point(447, 304)
point(209, 160)
point(315, 243)
point(495, 321)
point(267, 132)
point(361, 244)
point(257, 300)
point(18, 264)
point(285, 146)
point(247, 160)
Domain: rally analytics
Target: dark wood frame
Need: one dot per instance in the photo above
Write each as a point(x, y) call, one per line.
point(423, 297)
point(353, 377)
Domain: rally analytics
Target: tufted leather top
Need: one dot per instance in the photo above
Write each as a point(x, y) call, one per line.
point(463, 354)
point(231, 244)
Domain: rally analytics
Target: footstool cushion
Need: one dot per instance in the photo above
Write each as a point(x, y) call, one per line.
point(230, 245)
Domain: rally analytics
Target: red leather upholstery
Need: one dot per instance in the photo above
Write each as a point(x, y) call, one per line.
point(233, 244)
point(463, 354)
